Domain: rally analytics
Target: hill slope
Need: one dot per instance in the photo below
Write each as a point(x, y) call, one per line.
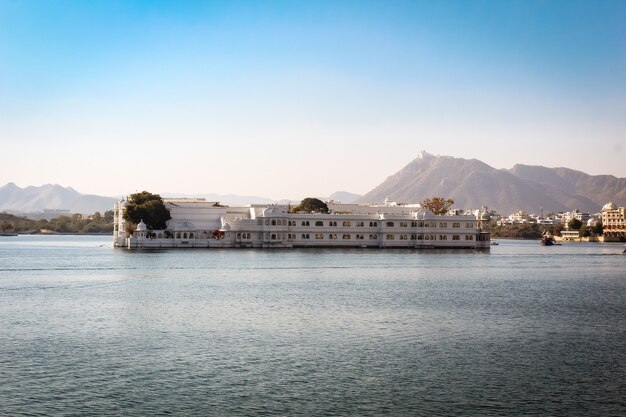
point(472, 183)
point(49, 196)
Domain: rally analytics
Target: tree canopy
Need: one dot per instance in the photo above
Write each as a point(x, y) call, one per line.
point(149, 208)
point(438, 205)
point(575, 224)
point(311, 205)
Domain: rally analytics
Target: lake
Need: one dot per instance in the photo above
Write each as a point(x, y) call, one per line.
point(522, 329)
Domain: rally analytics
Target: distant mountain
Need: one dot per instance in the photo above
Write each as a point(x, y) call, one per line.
point(344, 197)
point(472, 183)
point(51, 196)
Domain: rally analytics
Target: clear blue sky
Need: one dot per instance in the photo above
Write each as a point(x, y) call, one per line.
point(289, 99)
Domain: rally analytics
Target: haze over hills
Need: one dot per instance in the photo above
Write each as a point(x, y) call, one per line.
point(52, 197)
point(469, 182)
point(34, 199)
point(472, 183)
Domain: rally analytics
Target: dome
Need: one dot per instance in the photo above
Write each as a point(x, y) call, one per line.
point(609, 206)
point(141, 227)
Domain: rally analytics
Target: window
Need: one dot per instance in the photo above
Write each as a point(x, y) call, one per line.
point(332, 224)
point(373, 236)
point(413, 237)
point(346, 236)
point(413, 224)
point(185, 235)
point(267, 222)
point(319, 223)
point(273, 236)
point(319, 236)
point(346, 224)
point(469, 225)
point(389, 237)
point(420, 237)
point(360, 224)
point(456, 225)
point(359, 237)
point(404, 237)
point(306, 236)
point(456, 237)
point(469, 237)
point(443, 224)
point(443, 237)
point(238, 235)
point(389, 224)
point(306, 223)
point(273, 222)
point(404, 224)
point(332, 236)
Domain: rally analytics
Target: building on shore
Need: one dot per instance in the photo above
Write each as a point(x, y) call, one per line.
point(197, 223)
point(613, 222)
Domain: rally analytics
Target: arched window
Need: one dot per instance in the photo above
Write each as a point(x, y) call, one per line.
point(185, 235)
point(319, 223)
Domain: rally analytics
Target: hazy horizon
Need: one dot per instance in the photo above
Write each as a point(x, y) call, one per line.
point(272, 98)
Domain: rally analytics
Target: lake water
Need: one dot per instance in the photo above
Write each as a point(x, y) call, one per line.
point(86, 329)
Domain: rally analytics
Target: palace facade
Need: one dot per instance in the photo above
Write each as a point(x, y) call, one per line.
point(197, 223)
point(613, 222)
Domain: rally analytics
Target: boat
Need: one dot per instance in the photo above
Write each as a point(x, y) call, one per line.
point(547, 239)
point(494, 243)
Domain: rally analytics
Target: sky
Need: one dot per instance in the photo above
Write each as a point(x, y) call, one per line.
point(288, 99)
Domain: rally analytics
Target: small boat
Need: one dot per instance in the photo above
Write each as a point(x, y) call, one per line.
point(547, 239)
point(494, 243)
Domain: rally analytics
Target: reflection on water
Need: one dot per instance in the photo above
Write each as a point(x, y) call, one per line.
point(518, 330)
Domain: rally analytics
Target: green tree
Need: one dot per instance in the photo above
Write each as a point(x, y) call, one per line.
point(598, 228)
point(149, 208)
point(6, 226)
point(311, 205)
point(108, 216)
point(438, 205)
point(575, 224)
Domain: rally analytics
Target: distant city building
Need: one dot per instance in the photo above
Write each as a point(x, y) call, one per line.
point(613, 221)
point(575, 215)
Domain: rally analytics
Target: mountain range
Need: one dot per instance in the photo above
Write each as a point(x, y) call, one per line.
point(472, 184)
point(469, 182)
point(51, 197)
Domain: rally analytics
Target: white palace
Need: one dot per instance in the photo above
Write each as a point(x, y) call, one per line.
point(197, 223)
